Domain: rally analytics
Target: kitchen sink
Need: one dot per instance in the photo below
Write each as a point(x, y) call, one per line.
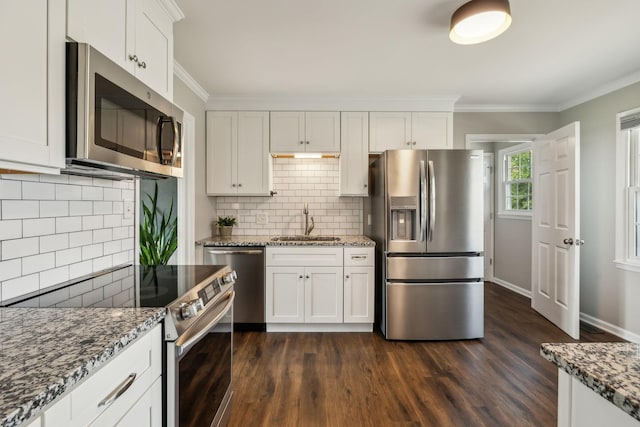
point(305, 239)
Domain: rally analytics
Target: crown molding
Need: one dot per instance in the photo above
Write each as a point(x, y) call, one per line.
point(602, 90)
point(172, 8)
point(187, 79)
point(506, 108)
point(311, 103)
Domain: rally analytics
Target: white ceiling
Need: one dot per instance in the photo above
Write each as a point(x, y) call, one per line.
point(556, 53)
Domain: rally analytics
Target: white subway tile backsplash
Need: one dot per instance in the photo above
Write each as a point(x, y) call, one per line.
point(82, 238)
point(19, 248)
point(54, 242)
point(54, 208)
point(38, 191)
point(80, 208)
point(68, 224)
point(297, 182)
point(38, 227)
point(68, 192)
point(11, 229)
point(48, 224)
point(37, 263)
point(19, 209)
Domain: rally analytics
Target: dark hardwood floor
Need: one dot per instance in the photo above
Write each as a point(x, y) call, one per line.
point(360, 379)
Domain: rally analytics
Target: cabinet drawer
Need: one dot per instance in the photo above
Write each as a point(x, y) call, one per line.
point(82, 406)
point(358, 257)
point(304, 256)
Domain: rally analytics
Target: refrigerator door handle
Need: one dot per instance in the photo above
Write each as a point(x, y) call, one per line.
point(423, 202)
point(432, 199)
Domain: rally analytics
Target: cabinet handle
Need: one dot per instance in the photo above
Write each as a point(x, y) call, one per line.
point(233, 185)
point(307, 142)
point(413, 143)
point(118, 391)
point(133, 58)
point(301, 142)
point(358, 257)
point(306, 277)
point(239, 185)
point(347, 276)
point(365, 186)
point(408, 142)
point(142, 64)
point(301, 276)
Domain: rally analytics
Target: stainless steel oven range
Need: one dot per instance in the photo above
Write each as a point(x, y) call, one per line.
point(198, 329)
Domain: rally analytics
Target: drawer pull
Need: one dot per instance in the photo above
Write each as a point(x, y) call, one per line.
point(358, 257)
point(118, 391)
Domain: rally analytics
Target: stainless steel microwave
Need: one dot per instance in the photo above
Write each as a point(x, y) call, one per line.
point(115, 122)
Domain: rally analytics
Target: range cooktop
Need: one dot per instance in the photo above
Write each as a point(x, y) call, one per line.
point(127, 286)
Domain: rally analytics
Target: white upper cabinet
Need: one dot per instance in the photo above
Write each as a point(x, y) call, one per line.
point(416, 130)
point(136, 34)
point(32, 86)
point(354, 153)
point(299, 132)
point(238, 160)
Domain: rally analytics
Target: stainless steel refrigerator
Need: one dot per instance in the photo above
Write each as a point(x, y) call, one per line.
point(425, 212)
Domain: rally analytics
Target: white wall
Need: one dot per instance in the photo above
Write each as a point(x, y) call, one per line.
point(56, 228)
point(607, 294)
point(298, 181)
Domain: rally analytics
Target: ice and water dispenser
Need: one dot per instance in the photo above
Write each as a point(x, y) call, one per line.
point(404, 218)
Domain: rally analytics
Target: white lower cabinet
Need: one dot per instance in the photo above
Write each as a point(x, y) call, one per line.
point(319, 288)
point(133, 377)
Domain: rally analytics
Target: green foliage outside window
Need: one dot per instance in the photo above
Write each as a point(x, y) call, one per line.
point(519, 186)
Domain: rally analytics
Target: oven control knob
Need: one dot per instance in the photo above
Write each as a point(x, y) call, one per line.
point(191, 308)
point(230, 277)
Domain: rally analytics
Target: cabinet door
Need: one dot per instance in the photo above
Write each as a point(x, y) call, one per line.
point(222, 136)
point(389, 131)
point(322, 132)
point(287, 132)
point(354, 154)
point(104, 25)
point(154, 47)
point(252, 154)
point(323, 295)
point(32, 85)
point(432, 130)
point(358, 294)
point(147, 411)
point(284, 295)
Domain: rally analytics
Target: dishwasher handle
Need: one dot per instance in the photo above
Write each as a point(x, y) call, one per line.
point(235, 252)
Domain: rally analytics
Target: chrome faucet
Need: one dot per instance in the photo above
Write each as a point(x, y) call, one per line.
point(307, 227)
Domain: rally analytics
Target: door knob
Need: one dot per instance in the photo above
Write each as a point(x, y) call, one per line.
point(568, 241)
point(579, 242)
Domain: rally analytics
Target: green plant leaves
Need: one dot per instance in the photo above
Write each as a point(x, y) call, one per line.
point(158, 232)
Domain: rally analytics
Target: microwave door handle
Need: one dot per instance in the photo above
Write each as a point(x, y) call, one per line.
point(432, 200)
point(423, 202)
point(159, 126)
point(176, 141)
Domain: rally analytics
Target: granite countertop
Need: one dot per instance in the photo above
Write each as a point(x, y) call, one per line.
point(44, 352)
point(610, 369)
point(266, 241)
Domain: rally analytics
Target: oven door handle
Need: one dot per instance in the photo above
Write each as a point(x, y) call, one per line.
point(186, 341)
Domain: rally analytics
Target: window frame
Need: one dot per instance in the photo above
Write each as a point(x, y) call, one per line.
point(627, 169)
point(503, 212)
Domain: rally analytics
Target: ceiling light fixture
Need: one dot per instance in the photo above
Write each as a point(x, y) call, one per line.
point(479, 20)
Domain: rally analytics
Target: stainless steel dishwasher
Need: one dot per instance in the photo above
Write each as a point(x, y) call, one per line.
point(248, 262)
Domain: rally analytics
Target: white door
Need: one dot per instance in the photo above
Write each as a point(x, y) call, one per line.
point(358, 294)
point(488, 215)
point(323, 295)
point(555, 282)
point(284, 295)
point(252, 153)
point(322, 132)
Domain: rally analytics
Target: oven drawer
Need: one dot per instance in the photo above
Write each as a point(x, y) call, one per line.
point(82, 406)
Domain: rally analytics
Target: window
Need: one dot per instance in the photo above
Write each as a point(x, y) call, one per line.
point(628, 182)
point(516, 183)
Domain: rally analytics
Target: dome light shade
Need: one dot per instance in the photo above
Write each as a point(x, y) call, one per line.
point(479, 20)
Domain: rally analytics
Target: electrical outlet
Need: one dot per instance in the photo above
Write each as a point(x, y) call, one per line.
point(128, 209)
point(262, 218)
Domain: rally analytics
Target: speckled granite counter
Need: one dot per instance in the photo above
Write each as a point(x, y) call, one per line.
point(266, 241)
point(45, 352)
point(610, 369)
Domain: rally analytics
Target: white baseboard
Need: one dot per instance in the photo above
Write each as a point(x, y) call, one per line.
point(319, 327)
point(512, 287)
point(608, 327)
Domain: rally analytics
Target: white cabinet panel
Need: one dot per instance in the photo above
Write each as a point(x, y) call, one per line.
point(354, 153)
point(323, 295)
point(415, 130)
point(359, 294)
point(284, 295)
point(298, 132)
point(238, 161)
point(32, 85)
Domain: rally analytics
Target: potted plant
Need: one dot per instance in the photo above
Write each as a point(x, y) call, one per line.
point(158, 232)
point(225, 225)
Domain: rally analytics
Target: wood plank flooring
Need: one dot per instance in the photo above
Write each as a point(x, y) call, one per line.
point(360, 379)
